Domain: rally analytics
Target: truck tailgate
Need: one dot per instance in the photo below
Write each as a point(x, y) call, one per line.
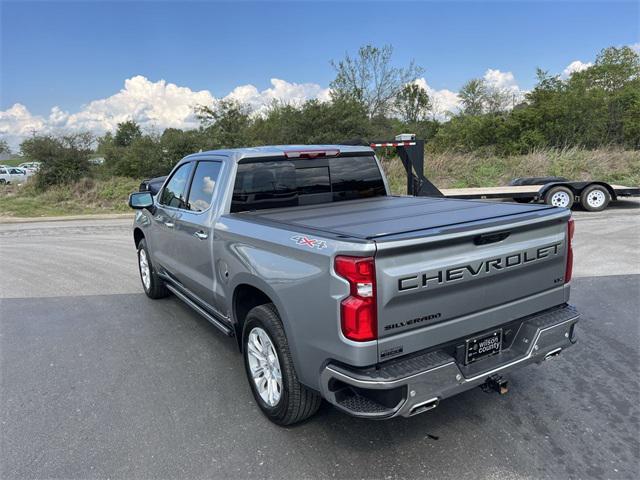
point(467, 278)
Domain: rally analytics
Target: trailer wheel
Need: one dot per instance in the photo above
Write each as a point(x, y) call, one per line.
point(595, 198)
point(560, 197)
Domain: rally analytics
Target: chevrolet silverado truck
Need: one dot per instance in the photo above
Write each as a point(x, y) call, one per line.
point(335, 289)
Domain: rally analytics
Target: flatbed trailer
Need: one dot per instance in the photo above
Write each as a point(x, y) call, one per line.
point(561, 192)
point(542, 192)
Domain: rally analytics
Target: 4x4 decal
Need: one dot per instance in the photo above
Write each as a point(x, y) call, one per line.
point(309, 242)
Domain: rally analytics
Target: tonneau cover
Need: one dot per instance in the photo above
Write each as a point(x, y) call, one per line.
point(375, 218)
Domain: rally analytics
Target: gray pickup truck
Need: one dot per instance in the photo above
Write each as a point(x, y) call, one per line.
point(382, 305)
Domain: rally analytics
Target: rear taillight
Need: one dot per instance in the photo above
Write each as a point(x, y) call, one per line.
point(358, 312)
point(569, 271)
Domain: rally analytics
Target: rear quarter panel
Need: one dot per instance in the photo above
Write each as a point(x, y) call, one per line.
point(300, 281)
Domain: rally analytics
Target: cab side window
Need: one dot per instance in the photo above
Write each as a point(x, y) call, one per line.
point(203, 185)
point(175, 191)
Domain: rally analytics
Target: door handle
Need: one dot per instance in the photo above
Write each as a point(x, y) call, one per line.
point(201, 235)
point(169, 224)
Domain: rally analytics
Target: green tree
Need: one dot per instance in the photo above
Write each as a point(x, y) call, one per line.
point(613, 69)
point(225, 124)
point(473, 95)
point(64, 158)
point(126, 133)
point(370, 78)
point(413, 103)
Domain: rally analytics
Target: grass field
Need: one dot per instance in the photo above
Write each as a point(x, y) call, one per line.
point(84, 197)
point(13, 162)
point(447, 170)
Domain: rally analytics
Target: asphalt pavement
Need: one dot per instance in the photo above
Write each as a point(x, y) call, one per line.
point(97, 381)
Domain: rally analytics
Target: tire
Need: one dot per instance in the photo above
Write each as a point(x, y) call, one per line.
point(291, 401)
point(595, 198)
point(153, 285)
point(523, 199)
point(560, 197)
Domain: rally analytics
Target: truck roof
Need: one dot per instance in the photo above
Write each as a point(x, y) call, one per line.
point(237, 154)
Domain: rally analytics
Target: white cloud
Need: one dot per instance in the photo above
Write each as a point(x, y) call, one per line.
point(154, 105)
point(17, 122)
point(502, 80)
point(575, 66)
point(444, 101)
point(281, 90)
point(151, 104)
point(505, 83)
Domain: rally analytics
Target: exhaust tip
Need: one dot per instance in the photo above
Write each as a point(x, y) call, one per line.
point(553, 354)
point(425, 406)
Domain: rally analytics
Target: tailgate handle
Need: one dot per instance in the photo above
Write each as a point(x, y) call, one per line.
point(490, 238)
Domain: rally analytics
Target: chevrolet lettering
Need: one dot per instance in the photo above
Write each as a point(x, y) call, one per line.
point(484, 267)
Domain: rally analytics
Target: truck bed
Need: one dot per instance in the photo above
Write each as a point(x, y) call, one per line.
point(382, 218)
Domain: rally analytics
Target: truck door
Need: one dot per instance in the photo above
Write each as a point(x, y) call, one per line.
point(171, 201)
point(195, 257)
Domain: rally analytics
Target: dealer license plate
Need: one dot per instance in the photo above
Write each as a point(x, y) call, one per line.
point(483, 346)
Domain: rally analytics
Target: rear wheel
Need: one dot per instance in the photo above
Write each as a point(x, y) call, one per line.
point(153, 285)
point(595, 198)
point(270, 370)
point(560, 197)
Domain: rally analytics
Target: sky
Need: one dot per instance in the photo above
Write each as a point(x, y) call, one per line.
point(68, 66)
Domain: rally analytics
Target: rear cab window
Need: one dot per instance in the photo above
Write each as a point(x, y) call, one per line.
point(262, 184)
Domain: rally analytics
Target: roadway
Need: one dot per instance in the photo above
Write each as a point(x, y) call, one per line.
point(97, 381)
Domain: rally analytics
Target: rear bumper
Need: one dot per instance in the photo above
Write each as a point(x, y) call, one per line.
point(416, 383)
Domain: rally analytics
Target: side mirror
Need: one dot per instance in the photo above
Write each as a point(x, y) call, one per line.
point(140, 200)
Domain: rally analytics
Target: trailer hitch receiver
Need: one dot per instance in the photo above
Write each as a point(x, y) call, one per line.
point(497, 383)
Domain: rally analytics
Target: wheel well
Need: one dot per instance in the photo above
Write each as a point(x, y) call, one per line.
point(246, 297)
point(137, 236)
point(565, 185)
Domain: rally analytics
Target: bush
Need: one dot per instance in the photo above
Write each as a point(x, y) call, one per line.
point(64, 159)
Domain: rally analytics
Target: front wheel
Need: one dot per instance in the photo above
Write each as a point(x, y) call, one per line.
point(153, 285)
point(270, 370)
point(560, 197)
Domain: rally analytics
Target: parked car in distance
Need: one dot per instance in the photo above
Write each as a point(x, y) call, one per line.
point(30, 167)
point(336, 289)
point(12, 175)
